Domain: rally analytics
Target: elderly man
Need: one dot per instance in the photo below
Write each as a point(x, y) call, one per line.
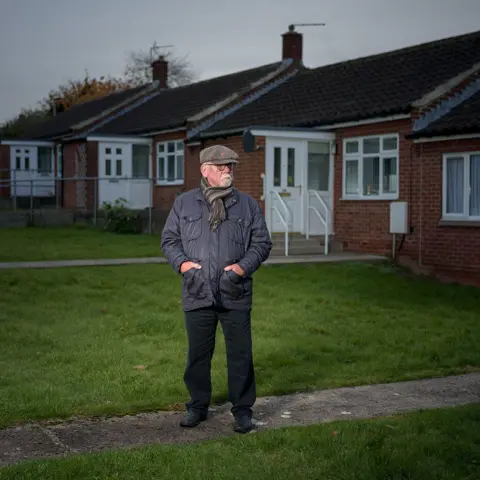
point(216, 238)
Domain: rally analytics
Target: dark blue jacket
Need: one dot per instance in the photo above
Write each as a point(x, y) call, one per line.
point(243, 238)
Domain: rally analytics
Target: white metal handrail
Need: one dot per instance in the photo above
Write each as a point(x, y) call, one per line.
point(325, 220)
point(282, 219)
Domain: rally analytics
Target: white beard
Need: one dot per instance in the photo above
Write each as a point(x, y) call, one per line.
point(226, 181)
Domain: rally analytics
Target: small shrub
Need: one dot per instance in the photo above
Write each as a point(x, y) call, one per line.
point(119, 218)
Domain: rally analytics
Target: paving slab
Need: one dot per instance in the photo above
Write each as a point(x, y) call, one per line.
point(75, 436)
point(274, 260)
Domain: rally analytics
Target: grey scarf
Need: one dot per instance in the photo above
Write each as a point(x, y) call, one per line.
point(215, 196)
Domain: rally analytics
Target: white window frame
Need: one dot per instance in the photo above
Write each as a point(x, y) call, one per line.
point(466, 196)
point(163, 155)
point(360, 156)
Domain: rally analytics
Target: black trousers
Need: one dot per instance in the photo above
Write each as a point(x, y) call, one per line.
point(201, 327)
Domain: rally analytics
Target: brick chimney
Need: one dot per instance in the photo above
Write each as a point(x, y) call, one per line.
point(160, 72)
point(292, 46)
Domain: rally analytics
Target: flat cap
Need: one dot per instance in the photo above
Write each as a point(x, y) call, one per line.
point(218, 155)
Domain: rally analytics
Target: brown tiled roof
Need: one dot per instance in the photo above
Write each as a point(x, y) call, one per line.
point(463, 119)
point(63, 122)
point(371, 86)
point(172, 107)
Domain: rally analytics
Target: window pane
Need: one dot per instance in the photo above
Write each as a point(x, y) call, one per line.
point(455, 185)
point(291, 167)
point(475, 186)
point(119, 167)
point(161, 168)
point(18, 163)
point(371, 176)
point(108, 167)
point(390, 175)
point(118, 151)
point(44, 160)
point(371, 145)
point(180, 146)
point(277, 166)
point(351, 147)
point(170, 147)
point(108, 151)
point(318, 167)
point(179, 167)
point(27, 163)
point(140, 161)
point(390, 143)
point(351, 177)
point(161, 148)
point(171, 168)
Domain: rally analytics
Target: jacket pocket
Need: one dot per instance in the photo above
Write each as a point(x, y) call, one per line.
point(191, 230)
point(231, 285)
point(194, 283)
point(236, 237)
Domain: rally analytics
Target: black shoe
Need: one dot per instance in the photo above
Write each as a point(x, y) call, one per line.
point(243, 424)
point(192, 419)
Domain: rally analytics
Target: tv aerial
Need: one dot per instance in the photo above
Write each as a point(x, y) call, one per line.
point(291, 27)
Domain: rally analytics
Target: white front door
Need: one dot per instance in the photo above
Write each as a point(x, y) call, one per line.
point(285, 169)
point(124, 171)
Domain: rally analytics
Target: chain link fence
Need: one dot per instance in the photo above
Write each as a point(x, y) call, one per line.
point(34, 199)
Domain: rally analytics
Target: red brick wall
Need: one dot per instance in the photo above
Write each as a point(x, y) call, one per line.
point(451, 246)
point(4, 170)
point(363, 225)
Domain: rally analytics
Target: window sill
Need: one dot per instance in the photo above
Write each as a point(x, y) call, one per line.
point(459, 223)
point(170, 184)
point(370, 198)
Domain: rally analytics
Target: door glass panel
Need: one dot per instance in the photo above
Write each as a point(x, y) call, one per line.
point(140, 161)
point(108, 151)
point(318, 166)
point(18, 163)
point(27, 163)
point(277, 166)
point(291, 167)
point(118, 167)
point(119, 151)
point(108, 167)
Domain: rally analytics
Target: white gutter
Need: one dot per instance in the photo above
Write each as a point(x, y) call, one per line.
point(368, 121)
point(443, 138)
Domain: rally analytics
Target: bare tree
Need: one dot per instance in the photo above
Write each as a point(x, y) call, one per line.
point(138, 69)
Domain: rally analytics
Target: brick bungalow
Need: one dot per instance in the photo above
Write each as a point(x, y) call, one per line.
point(334, 146)
point(134, 135)
point(393, 125)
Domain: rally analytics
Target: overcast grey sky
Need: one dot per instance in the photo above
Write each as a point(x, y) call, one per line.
point(46, 42)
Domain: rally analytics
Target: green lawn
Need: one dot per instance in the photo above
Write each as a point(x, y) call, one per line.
point(71, 338)
point(73, 243)
point(438, 444)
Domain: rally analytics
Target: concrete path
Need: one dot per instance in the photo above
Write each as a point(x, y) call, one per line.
point(333, 257)
point(50, 439)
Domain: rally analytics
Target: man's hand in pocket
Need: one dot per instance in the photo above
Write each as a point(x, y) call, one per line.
point(189, 265)
point(236, 268)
